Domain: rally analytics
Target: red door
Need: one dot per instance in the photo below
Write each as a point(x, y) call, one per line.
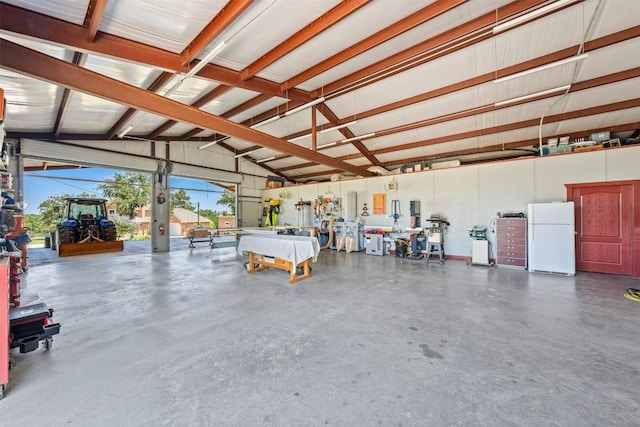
point(604, 226)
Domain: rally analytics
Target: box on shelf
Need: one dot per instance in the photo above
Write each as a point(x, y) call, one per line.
point(275, 181)
point(600, 136)
point(557, 150)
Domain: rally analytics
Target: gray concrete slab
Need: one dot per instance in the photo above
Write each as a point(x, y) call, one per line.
point(188, 338)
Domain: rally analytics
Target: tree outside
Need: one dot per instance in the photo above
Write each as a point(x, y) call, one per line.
point(124, 225)
point(228, 198)
point(129, 190)
point(35, 225)
point(180, 199)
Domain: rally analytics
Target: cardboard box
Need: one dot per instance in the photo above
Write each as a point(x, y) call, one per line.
point(274, 184)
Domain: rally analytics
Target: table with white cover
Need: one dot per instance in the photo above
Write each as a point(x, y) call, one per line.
point(284, 252)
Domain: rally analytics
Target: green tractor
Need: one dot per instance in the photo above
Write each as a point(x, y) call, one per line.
point(85, 228)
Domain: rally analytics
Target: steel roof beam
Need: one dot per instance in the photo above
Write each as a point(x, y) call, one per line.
point(330, 18)
point(222, 20)
point(236, 110)
point(32, 24)
point(485, 78)
point(587, 84)
point(93, 18)
point(405, 24)
point(78, 59)
point(590, 46)
point(202, 101)
point(32, 63)
point(158, 84)
point(462, 32)
point(616, 106)
point(333, 119)
point(468, 151)
point(468, 28)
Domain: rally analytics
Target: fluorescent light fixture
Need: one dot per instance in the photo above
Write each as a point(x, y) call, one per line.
point(533, 95)
point(542, 68)
point(199, 66)
point(204, 61)
point(124, 131)
point(264, 122)
point(338, 127)
point(266, 160)
point(303, 106)
point(355, 138)
point(330, 144)
point(297, 138)
point(208, 144)
point(529, 16)
point(237, 156)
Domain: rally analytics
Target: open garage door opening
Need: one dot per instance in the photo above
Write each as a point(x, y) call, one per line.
point(193, 202)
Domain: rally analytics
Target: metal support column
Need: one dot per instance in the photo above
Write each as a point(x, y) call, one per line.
point(160, 208)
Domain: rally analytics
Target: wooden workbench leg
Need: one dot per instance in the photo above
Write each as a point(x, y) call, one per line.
point(252, 263)
point(293, 278)
point(307, 273)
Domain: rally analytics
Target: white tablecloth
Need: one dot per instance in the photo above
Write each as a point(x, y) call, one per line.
point(291, 248)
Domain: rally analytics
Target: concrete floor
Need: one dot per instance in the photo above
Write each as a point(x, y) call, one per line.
point(188, 338)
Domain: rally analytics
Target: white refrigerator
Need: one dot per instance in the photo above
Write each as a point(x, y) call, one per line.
point(551, 238)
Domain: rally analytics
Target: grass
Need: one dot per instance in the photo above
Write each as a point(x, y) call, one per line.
point(37, 240)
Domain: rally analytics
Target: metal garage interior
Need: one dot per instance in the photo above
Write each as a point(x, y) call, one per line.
point(331, 97)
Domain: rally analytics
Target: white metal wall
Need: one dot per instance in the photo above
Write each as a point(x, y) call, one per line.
point(471, 195)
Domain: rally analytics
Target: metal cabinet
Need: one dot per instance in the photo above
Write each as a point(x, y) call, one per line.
point(511, 240)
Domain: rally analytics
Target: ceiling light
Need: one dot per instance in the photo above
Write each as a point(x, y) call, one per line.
point(264, 122)
point(355, 138)
point(529, 16)
point(304, 106)
point(204, 61)
point(237, 156)
point(208, 144)
point(297, 138)
point(542, 68)
point(533, 95)
point(338, 127)
point(125, 131)
point(266, 160)
point(330, 144)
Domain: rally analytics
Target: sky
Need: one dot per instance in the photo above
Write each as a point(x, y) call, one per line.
point(40, 185)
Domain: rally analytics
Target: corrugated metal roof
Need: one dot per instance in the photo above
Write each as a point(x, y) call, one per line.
point(418, 74)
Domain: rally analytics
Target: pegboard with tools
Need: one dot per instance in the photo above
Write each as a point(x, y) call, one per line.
point(325, 206)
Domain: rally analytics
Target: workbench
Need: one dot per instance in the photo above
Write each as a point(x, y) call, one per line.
point(215, 237)
point(283, 252)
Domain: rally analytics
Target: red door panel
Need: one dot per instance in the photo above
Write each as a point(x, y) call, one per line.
point(604, 228)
